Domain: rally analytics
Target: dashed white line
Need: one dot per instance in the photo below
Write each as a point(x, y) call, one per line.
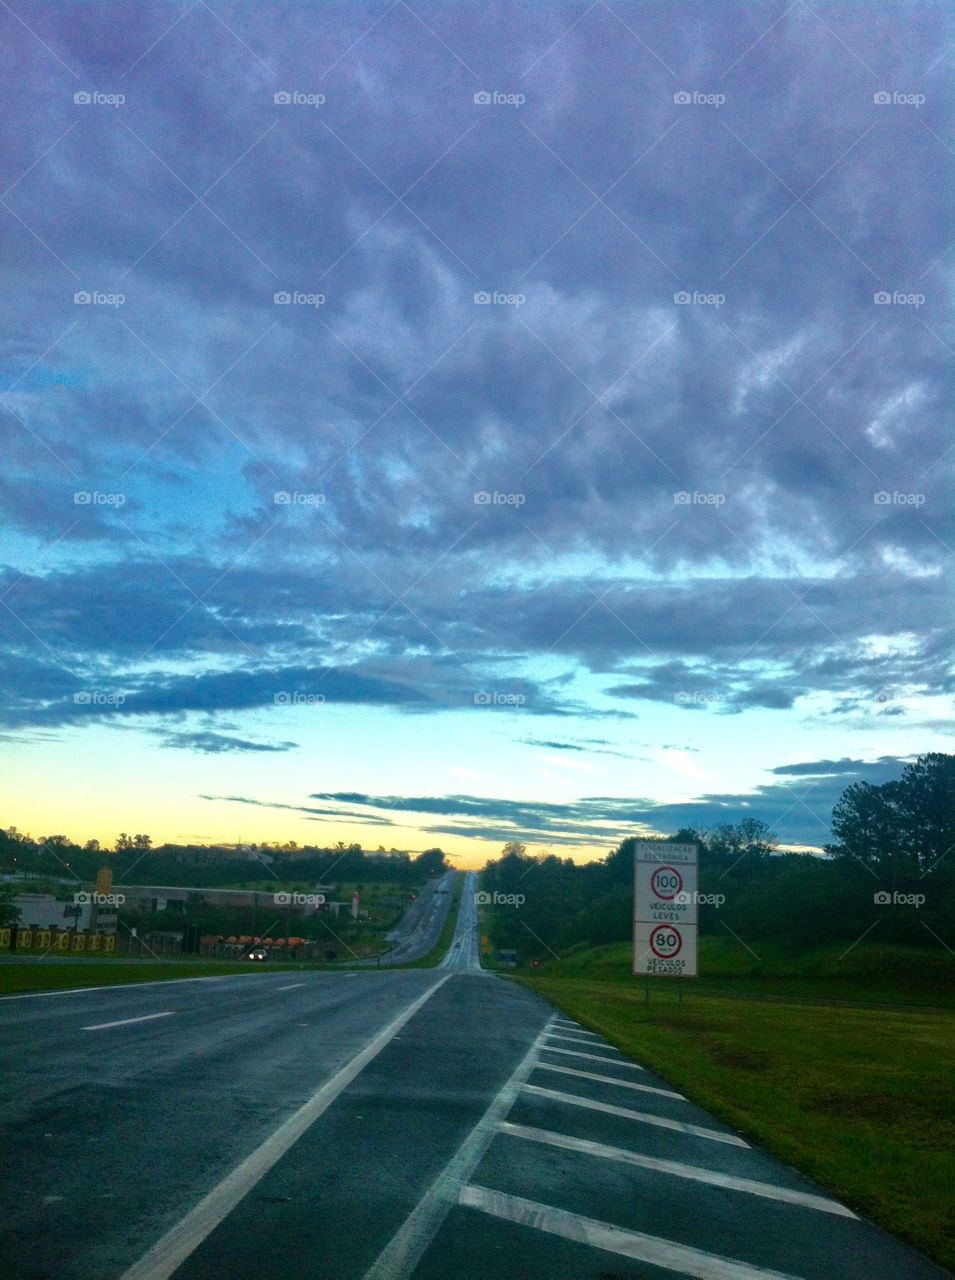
point(679, 1170)
point(604, 1235)
point(291, 986)
point(622, 1084)
point(124, 1022)
point(130, 986)
point(641, 1117)
point(165, 1257)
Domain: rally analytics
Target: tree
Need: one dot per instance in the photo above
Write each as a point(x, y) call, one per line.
point(902, 828)
point(142, 842)
point(9, 913)
point(92, 846)
point(123, 842)
point(927, 805)
point(865, 822)
point(431, 863)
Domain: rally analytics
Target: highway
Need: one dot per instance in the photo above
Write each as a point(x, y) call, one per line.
point(420, 927)
point(464, 952)
point(372, 1125)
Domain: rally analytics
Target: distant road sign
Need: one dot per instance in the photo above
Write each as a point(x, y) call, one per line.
point(665, 879)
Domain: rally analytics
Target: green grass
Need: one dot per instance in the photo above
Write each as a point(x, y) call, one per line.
point(858, 1097)
point(898, 975)
point(56, 976)
point(386, 901)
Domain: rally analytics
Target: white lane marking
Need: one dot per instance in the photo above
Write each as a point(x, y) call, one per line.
point(622, 1084)
point(168, 1253)
point(594, 1057)
point(576, 1029)
point(604, 1235)
point(642, 1117)
point(554, 1035)
point(676, 1168)
point(407, 1246)
point(291, 986)
point(127, 986)
point(124, 1022)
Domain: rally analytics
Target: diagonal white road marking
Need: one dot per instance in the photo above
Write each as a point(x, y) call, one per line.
point(640, 1117)
point(620, 1084)
point(667, 1254)
point(404, 1251)
point(675, 1167)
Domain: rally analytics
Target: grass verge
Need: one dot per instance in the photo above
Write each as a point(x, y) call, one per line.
point(866, 974)
point(17, 978)
point(859, 1098)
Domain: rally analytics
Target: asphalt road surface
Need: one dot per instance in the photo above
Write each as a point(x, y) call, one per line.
point(420, 927)
point(464, 952)
point(368, 1125)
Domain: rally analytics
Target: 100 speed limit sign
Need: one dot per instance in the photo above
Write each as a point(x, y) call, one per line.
point(665, 909)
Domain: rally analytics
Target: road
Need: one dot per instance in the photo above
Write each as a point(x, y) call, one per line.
point(383, 1125)
point(420, 927)
point(464, 952)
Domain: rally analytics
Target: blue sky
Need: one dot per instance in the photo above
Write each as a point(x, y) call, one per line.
point(436, 423)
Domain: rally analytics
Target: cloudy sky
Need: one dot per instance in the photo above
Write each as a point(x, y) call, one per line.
point(445, 423)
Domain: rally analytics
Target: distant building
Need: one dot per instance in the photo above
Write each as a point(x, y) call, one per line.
point(162, 897)
point(201, 855)
point(45, 911)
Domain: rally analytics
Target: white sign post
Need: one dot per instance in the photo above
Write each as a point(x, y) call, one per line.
point(665, 879)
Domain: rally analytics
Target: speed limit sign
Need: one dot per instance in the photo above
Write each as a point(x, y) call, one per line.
point(665, 879)
point(666, 942)
point(666, 883)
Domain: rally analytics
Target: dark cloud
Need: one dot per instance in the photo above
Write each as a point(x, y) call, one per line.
point(590, 746)
point(823, 768)
point(308, 688)
point(216, 743)
point(312, 813)
point(798, 811)
point(711, 504)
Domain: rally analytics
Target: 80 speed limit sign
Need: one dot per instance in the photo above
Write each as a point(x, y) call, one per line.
point(665, 909)
point(666, 942)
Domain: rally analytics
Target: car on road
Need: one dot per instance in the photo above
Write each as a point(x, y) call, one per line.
point(257, 953)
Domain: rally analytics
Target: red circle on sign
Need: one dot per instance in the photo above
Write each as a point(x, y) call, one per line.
point(668, 897)
point(666, 955)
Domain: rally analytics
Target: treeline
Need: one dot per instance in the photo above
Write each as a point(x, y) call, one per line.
point(890, 870)
point(208, 866)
